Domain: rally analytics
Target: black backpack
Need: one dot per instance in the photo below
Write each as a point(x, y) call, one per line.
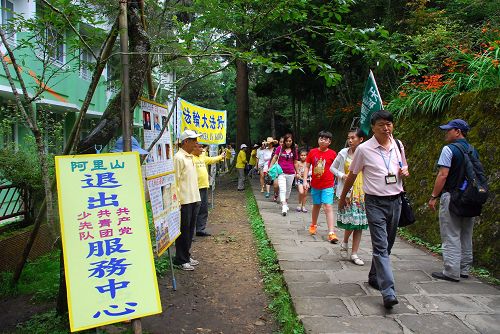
point(468, 198)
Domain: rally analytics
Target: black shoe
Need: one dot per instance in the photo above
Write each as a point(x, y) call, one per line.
point(390, 301)
point(203, 234)
point(464, 276)
point(373, 284)
point(442, 276)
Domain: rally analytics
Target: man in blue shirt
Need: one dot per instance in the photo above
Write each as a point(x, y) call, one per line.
point(456, 231)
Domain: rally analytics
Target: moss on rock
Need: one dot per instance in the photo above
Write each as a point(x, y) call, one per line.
point(423, 142)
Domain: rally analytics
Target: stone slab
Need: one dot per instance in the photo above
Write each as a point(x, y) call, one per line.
point(324, 289)
point(473, 288)
point(316, 251)
point(450, 303)
point(373, 305)
point(485, 323)
point(334, 325)
point(309, 265)
point(306, 276)
point(424, 265)
point(493, 302)
point(405, 280)
point(282, 256)
point(322, 306)
point(434, 324)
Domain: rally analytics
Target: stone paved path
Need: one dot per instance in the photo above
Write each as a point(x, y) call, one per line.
point(332, 295)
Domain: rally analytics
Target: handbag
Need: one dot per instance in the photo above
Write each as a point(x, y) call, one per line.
point(407, 216)
point(275, 171)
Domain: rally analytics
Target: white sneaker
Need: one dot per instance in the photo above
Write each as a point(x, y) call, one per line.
point(284, 209)
point(193, 262)
point(187, 267)
point(356, 260)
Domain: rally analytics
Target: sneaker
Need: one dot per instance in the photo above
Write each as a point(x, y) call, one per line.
point(304, 210)
point(299, 209)
point(267, 195)
point(193, 262)
point(275, 198)
point(343, 250)
point(187, 267)
point(356, 260)
point(332, 237)
point(284, 209)
point(312, 229)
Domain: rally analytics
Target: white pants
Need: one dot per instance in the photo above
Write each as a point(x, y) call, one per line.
point(285, 183)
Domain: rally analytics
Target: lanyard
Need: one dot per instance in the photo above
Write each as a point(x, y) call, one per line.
point(386, 163)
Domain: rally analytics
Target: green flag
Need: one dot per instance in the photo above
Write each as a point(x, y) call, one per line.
point(372, 102)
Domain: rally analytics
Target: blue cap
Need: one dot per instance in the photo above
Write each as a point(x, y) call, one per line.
point(456, 124)
point(135, 146)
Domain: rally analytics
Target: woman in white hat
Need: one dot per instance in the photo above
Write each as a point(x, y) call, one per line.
point(263, 158)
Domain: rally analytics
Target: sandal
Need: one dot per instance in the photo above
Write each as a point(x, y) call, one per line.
point(356, 260)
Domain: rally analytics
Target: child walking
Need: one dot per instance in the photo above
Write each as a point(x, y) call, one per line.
point(353, 218)
point(300, 182)
point(320, 159)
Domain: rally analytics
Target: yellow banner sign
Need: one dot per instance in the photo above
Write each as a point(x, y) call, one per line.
point(108, 260)
point(210, 123)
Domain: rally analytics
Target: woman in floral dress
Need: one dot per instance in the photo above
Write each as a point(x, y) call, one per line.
point(353, 218)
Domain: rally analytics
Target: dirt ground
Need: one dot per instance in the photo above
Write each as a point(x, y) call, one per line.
point(225, 292)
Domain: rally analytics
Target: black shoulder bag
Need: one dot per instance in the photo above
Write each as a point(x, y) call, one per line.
point(407, 217)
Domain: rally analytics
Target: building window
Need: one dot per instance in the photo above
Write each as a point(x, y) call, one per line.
point(7, 16)
point(87, 62)
point(55, 45)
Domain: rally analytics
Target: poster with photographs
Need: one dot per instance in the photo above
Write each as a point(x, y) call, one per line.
point(166, 210)
point(160, 158)
point(159, 172)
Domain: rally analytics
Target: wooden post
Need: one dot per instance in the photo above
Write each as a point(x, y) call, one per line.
point(125, 97)
point(125, 103)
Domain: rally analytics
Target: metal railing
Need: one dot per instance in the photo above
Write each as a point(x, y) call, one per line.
point(14, 202)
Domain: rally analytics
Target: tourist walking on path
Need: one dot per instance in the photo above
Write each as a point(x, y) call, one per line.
point(241, 162)
point(276, 186)
point(353, 218)
point(189, 197)
point(320, 159)
point(287, 157)
point(300, 183)
point(252, 163)
point(383, 168)
point(201, 161)
point(263, 159)
point(456, 231)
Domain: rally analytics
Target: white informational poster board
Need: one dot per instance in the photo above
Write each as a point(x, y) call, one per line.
point(160, 174)
point(160, 159)
point(108, 262)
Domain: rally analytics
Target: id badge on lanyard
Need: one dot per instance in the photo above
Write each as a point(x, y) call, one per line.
point(390, 178)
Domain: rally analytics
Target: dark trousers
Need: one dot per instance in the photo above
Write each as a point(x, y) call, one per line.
point(201, 220)
point(382, 213)
point(189, 212)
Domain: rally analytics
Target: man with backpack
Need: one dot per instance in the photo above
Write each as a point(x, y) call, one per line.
point(459, 172)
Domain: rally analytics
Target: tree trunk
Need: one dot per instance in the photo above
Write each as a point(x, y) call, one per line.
point(294, 118)
point(299, 120)
point(273, 120)
point(110, 122)
point(242, 107)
